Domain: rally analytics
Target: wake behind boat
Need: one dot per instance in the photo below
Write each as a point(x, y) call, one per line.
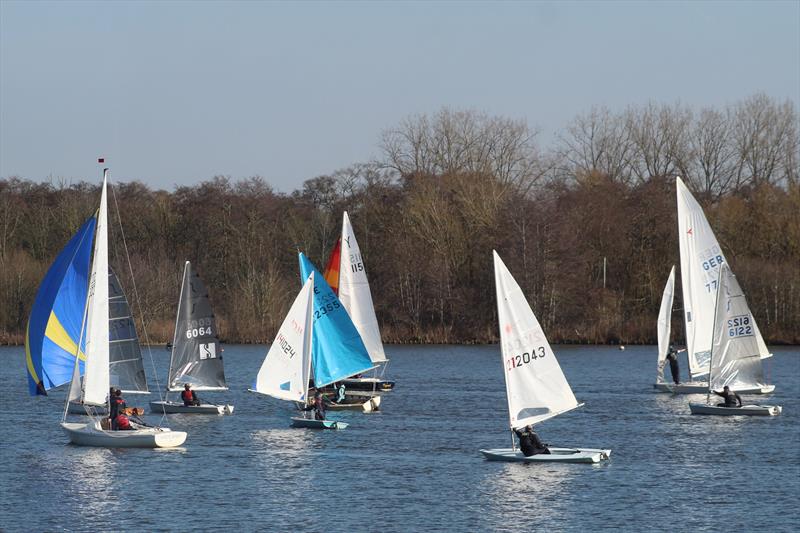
point(536, 388)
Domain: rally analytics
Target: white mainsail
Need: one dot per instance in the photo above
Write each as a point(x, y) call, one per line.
point(286, 369)
point(664, 322)
point(535, 385)
point(355, 295)
point(701, 257)
point(96, 374)
point(736, 354)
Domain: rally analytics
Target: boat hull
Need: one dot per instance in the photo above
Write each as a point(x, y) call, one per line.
point(368, 384)
point(310, 423)
point(91, 434)
point(172, 408)
point(745, 410)
point(356, 404)
point(702, 388)
point(556, 455)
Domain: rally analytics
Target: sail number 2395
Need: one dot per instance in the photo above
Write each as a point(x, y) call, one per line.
point(524, 358)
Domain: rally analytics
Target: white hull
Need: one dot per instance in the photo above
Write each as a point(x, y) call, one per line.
point(368, 406)
point(695, 387)
point(172, 408)
point(556, 455)
point(92, 435)
point(310, 423)
point(745, 410)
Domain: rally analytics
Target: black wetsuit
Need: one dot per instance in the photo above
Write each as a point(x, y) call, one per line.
point(117, 406)
point(318, 407)
point(529, 443)
point(672, 357)
point(731, 399)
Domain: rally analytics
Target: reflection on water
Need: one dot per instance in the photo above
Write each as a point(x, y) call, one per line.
point(514, 487)
point(92, 480)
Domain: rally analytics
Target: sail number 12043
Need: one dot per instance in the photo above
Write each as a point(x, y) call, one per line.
point(524, 358)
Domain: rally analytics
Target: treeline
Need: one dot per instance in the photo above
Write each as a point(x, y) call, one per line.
point(448, 189)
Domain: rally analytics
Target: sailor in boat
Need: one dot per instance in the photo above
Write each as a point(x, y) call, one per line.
point(117, 407)
point(672, 357)
point(340, 395)
point(123, 423)
point(731, 398)
point(529, 442)
point(318, 407)
point(189, 397)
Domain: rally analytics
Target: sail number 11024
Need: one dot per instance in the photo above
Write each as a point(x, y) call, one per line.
point(524, 358)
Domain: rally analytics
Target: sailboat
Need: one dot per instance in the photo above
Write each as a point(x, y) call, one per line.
point(95, 337)
point(196, 353)
point(346, 275)
point(125, 366)
point(701, 258)
point(736, 352)
point(286, 369)
point(536, 388)
point(338, 351)
point(665, 328)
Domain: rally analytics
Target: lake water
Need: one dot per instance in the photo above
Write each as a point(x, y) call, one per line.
point(415, 466)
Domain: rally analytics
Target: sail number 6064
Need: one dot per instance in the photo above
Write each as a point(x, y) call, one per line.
point(524, 358)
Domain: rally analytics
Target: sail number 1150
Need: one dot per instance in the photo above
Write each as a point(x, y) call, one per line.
point(522, 359)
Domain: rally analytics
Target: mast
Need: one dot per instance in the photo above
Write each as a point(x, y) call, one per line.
point(713, 331)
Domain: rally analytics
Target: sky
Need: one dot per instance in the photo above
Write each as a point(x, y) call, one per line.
point(176, 92)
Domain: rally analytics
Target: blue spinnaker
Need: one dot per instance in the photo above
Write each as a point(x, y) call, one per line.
point(54, 325)
point(337, 351)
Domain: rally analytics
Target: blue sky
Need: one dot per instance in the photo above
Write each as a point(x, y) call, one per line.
point(177, 92)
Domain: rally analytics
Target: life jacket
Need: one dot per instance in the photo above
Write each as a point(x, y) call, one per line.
point(187, 396)
point(123, 422)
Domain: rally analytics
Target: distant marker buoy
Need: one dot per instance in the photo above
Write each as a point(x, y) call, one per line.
point(621, 347)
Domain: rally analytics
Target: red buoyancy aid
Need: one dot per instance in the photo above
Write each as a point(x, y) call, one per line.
point(123, 422)
point(187, 396)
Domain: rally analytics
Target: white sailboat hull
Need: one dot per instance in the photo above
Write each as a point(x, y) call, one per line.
point(172, 408)
point(356, 404)
point(556, 455)
point(92, 435)
point(745, 410)
point(695, 387)
point(310, 423)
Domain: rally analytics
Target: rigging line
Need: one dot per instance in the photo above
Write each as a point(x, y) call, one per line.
point(138, 300)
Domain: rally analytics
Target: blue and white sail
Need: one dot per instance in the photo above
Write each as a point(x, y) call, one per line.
point(54, 325)
point(337, 349)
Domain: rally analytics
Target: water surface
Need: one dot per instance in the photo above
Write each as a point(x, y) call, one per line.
point(415, 466)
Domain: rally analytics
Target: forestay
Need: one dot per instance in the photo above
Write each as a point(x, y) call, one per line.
point(337, 349)
point(736, 355)
point(54, 325)
point(664, 322)
point(701, 257)
point(96, 377)
point(125, 355)
point(355, 295)
point(286, 369)
point(196, 354)
point(535, 385)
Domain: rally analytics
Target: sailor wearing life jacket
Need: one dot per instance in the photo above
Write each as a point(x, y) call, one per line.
point(188, 396)
point(116, 408)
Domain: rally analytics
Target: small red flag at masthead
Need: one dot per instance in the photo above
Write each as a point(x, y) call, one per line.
point(101, 159)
